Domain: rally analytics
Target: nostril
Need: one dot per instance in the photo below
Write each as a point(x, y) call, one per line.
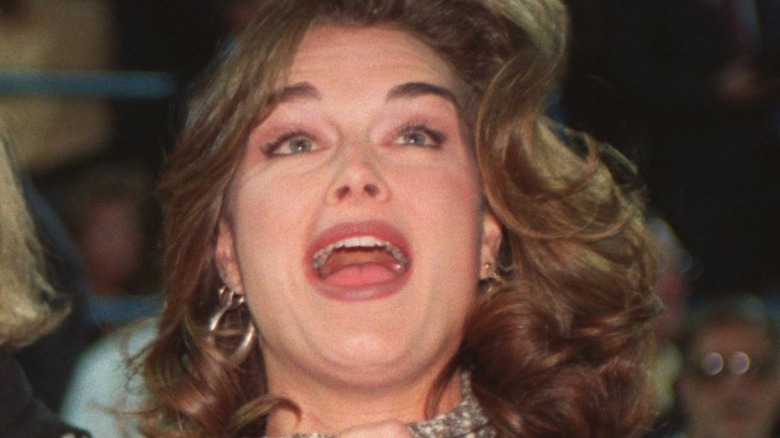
point(342, 192)
point(345, 191)
point(371, 189)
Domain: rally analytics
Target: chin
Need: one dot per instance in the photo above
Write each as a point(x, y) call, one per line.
point(371, 358)
point(370, 350)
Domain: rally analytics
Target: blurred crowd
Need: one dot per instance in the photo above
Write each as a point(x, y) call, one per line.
point(688, 89)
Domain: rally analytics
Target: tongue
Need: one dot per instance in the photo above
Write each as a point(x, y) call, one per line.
point(359, 267)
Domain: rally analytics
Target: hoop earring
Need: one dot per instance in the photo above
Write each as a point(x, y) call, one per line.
point(228, 302)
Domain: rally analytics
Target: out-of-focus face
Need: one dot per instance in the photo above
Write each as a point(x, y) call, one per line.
point(111, 242)
point(672, 286)
point(356, 227)
point(742, 397)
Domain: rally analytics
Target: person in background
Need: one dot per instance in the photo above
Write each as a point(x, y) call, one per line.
point(371, 230)
point(66, 273)
point(110, 211)
point(104, 391)
point(29, 308)
point(730, 384)
point(673, 288)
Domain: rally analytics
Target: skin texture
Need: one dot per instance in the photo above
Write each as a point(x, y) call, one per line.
point(386, 429)
point(353, 149)
point(734, 406)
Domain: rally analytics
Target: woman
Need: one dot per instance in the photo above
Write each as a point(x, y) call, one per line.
point(29, 308)
point(369, 187)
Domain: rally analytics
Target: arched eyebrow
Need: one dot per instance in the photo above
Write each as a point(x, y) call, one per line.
point(415, 89)
point(301, 90)
point(305, 90)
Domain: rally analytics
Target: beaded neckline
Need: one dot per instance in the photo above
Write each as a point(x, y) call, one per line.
point(467, 420)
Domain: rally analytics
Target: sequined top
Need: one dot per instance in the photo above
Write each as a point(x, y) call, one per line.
point(467, 420)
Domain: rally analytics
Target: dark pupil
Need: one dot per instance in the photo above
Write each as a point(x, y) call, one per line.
point(299, 145)
point(416, 138)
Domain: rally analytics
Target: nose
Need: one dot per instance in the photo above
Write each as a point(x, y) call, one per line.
point(734, 383)
point(358, 176)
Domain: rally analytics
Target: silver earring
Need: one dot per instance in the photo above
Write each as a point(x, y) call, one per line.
point(491, 272)
point(492, 277)
point(488, 270)
point(228, 302)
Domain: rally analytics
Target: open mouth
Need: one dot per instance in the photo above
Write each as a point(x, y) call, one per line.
point(359, 260)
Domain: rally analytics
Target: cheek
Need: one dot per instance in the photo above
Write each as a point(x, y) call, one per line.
point(452, 196)
point(268, 218)
point(447, 209)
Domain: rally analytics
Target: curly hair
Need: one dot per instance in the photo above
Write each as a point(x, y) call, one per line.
point(557, 345)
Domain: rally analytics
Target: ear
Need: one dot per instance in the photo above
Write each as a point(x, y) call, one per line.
point(225, 256)
point(491, 242)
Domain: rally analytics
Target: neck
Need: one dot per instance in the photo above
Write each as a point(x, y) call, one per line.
point(333, 408)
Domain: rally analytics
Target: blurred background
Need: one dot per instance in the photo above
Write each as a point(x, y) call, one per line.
point(92, 92)
point(690, 90)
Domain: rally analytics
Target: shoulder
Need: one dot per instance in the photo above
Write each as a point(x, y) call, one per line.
point(38, 421)
point(21, 415)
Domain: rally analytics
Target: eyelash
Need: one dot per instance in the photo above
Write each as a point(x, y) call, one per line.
point(436, 136)
point(274, 145)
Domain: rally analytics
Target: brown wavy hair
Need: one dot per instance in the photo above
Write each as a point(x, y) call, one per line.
point(557, 345)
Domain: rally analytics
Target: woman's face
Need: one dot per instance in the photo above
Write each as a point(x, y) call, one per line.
point(356, 228)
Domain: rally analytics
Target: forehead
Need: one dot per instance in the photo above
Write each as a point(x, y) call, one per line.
point(733, 336)
point(359, 56)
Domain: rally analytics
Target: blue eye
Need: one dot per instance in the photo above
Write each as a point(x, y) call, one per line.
point(298, 145)
point(420, 135)
point(289, 144)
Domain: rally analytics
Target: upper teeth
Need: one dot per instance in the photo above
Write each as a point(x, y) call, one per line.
point(358, 242)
